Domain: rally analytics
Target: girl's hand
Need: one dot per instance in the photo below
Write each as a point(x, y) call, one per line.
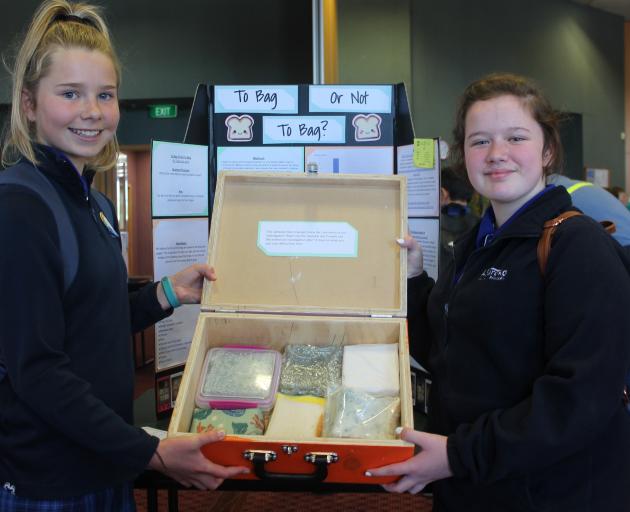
point(181, 459)
point(415, 264)
point(430, 464)
point(187, 284)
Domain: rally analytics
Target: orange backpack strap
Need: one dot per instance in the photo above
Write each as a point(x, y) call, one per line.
point(549, 228)
point(609, 226)
point(544, 243)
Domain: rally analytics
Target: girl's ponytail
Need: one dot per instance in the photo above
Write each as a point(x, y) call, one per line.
point(56, 24)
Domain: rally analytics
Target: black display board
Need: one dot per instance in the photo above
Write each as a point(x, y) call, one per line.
point(330, 128)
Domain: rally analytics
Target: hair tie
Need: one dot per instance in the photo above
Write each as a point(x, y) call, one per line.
point(62, 16)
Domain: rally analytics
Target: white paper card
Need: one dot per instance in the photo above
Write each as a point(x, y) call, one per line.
point(256, 99)
point(301, 238)
point(599, 177)
point(427, 232)
point(352, 159)
point(264, 159)
point(350, 98)
point(177, 243)
point(304, 130)
point(423, 185)
point(179, 180)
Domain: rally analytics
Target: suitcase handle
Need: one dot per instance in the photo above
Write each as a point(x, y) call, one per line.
point(320, 460)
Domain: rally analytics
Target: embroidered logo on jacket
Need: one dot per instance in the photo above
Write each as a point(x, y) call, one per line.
point(493, 274)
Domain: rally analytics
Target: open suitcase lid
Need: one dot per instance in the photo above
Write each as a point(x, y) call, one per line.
point(308, 244)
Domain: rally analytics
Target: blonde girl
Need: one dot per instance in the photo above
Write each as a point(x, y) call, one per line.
point(67, 440)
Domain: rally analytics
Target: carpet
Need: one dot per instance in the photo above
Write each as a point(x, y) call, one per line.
point(221, 501)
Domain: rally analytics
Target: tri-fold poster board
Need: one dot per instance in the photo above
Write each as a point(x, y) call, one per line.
point(323, 129)
point(346, 129)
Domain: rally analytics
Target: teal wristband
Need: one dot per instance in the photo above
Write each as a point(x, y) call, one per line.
point(170, 294)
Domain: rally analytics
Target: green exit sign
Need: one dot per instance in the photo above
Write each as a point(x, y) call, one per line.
point(163, 111)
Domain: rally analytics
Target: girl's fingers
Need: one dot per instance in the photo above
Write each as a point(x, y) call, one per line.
point(417, 488)
point(403, 485)
point(400, 468)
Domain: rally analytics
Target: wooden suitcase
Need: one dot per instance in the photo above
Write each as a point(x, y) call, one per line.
point(274, 296)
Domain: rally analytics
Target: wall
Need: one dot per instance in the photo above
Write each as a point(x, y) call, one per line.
point(374, 41)
point(137, 128)
point(574, 52)
point(140, 222)
point(627, 95)
point(167, 48)
point(140, 227)
point(436, 48)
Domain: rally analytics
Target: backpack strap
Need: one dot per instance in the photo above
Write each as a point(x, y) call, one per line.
point(609, 226)
point(28, 176)
point(549, 228)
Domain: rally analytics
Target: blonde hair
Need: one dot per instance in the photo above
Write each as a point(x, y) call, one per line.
point(56, 24)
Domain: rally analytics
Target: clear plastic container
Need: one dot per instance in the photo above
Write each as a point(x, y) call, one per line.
point(239, 377)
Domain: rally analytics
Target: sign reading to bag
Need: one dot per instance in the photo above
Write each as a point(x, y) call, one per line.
point(340, 129)
point(260, 99)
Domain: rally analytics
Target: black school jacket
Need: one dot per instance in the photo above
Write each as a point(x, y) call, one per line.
point(528, 371)
point(66, 403)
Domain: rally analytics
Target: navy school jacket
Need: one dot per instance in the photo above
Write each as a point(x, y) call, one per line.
point(528, 371)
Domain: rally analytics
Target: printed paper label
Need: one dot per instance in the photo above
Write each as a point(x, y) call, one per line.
point(300, 238)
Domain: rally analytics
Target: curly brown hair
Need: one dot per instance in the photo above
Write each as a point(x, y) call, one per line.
point(502, 84)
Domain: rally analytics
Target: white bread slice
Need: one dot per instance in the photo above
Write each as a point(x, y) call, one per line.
point(372, 368)
point(296, 417)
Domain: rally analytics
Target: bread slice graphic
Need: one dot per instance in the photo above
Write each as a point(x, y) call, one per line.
point(239, 128)
point(367, 127)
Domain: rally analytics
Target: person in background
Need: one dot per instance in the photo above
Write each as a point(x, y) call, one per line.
point(455, 215)
point(527, 404)
point(67, 440)
point(620, 194)
point(597, 203)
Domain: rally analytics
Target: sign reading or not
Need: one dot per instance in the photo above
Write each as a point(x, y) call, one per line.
point(163, 111)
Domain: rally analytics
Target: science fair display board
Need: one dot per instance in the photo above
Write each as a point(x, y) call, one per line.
point(179, 209)
point(336, 129)
point(323, 129)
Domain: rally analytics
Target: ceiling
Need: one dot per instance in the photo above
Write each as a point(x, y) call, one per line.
point(620, 7)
